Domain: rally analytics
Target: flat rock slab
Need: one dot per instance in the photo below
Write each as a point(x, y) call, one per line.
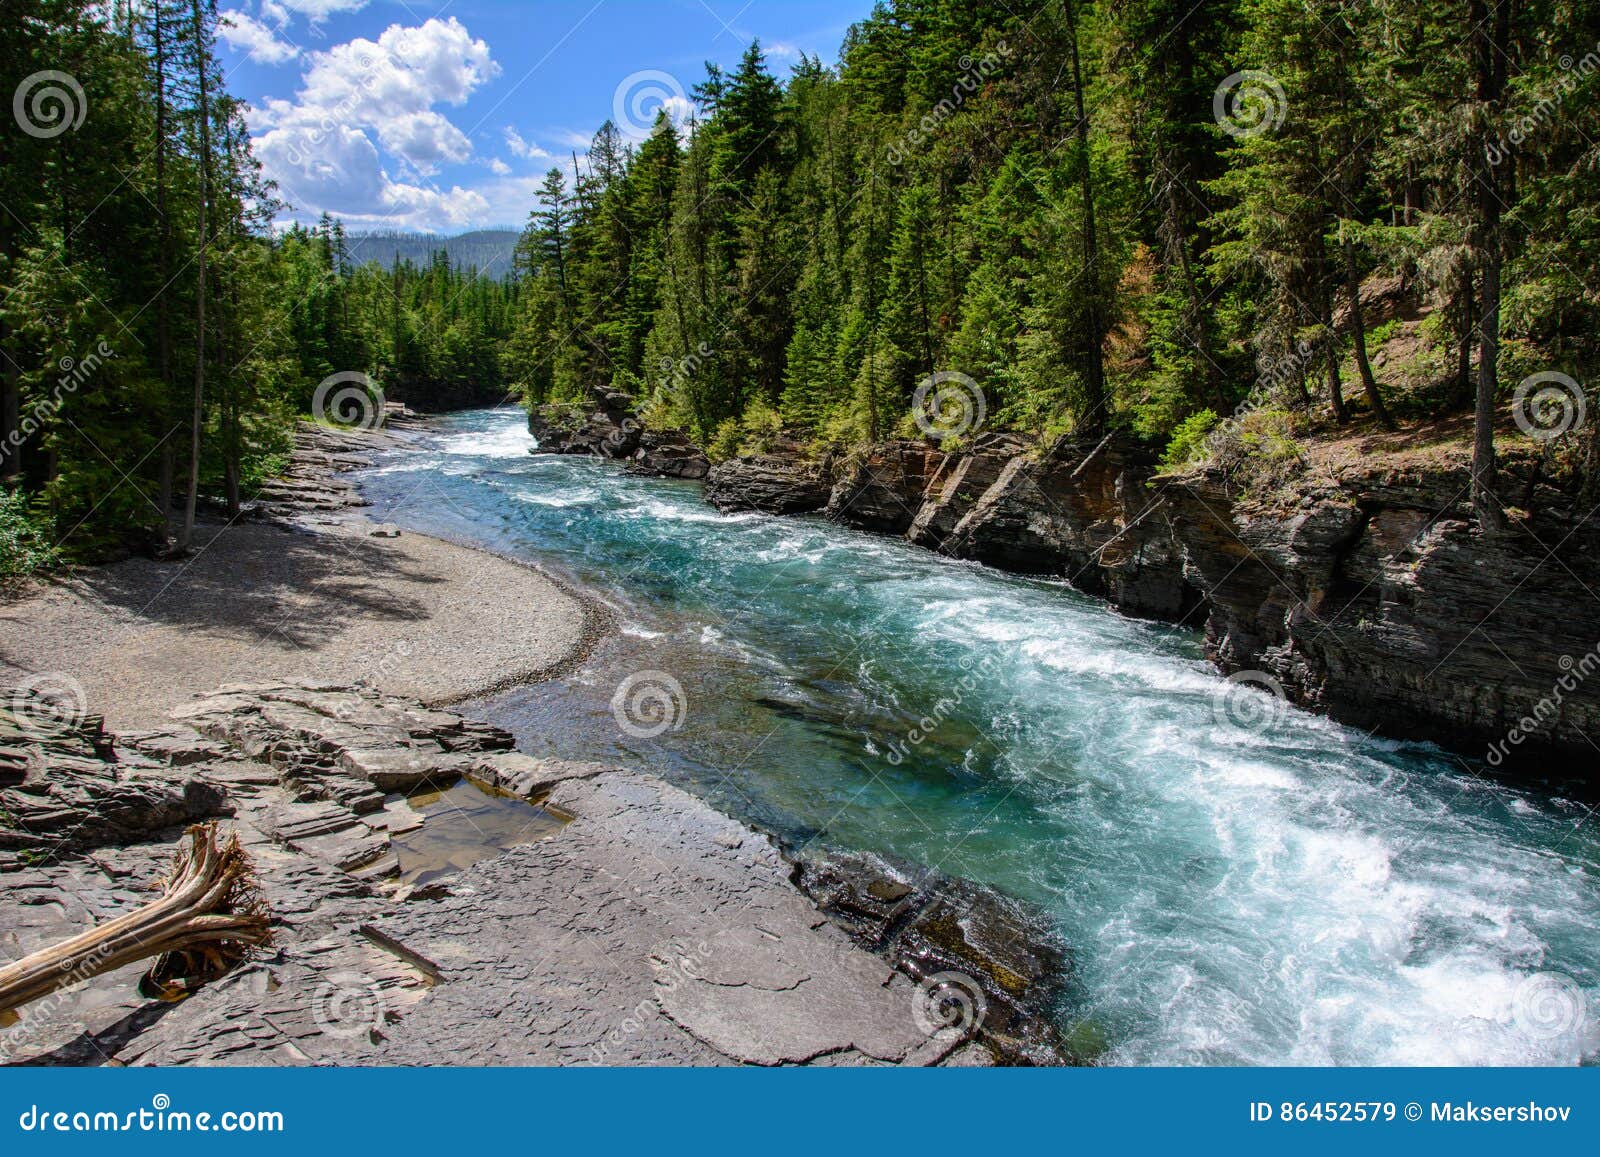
point(653, 930)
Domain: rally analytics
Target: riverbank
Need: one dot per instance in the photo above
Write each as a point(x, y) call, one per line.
point(303, 586)
point(436, 896)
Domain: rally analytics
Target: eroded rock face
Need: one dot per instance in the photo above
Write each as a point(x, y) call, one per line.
point(669, 454)
point(957, 485)
point(781, 481)
point(607, 428)
point(610, 427)
point(1381, 601)
point(1087, 512)
point(882, 489)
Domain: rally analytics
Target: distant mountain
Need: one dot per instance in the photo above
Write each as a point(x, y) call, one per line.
point(489, 249)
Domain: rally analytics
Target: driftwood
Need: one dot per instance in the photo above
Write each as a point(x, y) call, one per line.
point(208, 918)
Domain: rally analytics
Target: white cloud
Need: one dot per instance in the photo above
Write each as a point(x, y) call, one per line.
point(782, 50)
point(244, 33)
point(315, 11)
point(522, 148)
point(344, 175)
point(320, 146)
point(498, 167)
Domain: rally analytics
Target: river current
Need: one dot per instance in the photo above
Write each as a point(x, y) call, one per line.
point(1236, 881)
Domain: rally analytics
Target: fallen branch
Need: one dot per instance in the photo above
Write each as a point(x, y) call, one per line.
point(210, 913)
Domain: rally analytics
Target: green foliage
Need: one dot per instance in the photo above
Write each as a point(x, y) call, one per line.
point(24, 537)
point(1189, 440)
point(1257, 451)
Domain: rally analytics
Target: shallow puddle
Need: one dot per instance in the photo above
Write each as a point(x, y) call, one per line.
point(464, 824)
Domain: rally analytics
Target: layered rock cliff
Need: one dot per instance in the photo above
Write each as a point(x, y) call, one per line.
point(1366, 588)
point(610, 427)
point(1378, 598)
point(1365, 591)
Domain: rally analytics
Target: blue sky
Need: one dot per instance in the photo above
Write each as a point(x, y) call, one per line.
point(417, 115)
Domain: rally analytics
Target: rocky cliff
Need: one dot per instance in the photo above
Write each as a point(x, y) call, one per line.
point(1378, 598)
point(1365, 591)
point(1365, 588)
point(610, 427)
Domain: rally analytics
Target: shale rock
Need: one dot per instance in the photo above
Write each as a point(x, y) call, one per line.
point(650, 929)
point(997, 959)
point(669, 454)
point(957, 485)
point(1085, 511)
point(1380, 600)
point(781, 481)
point(607, 427)
point(882, 488)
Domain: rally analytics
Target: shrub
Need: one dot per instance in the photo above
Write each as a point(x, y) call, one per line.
point(1189, 440)
point(24, 539)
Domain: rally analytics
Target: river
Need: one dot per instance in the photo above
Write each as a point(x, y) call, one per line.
point(1237, 881)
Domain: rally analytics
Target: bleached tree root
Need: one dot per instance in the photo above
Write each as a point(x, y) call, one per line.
point(210, 914)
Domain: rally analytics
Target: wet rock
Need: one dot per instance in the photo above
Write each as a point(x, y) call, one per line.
point(781, 481)
point(669, 454)
point(1086, 512)
point(881, 489)
point(949, 933)
point(1381, 601)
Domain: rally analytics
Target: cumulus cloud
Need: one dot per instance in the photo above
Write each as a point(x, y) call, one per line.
point(320, 146)
point(498, 167)
point(244, 33)
point(390, 86)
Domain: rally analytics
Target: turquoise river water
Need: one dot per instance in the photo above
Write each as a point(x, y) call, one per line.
point(1235, 882)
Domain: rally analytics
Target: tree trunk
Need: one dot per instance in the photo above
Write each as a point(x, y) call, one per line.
point(1178, 250)
point(1491, 35)
point(1093, 419)
point(1331, 353)
point(209, 908)
point(1469, 327)
point(164, 249)
point(1358, 326)
point(197, 418)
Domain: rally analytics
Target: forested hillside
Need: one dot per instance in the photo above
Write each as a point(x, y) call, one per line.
point(157, 336)
point(1139, 214)
point(488, 250)
point(1069, 217)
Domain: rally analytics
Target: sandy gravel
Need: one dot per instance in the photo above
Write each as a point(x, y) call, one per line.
point(412, 615)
